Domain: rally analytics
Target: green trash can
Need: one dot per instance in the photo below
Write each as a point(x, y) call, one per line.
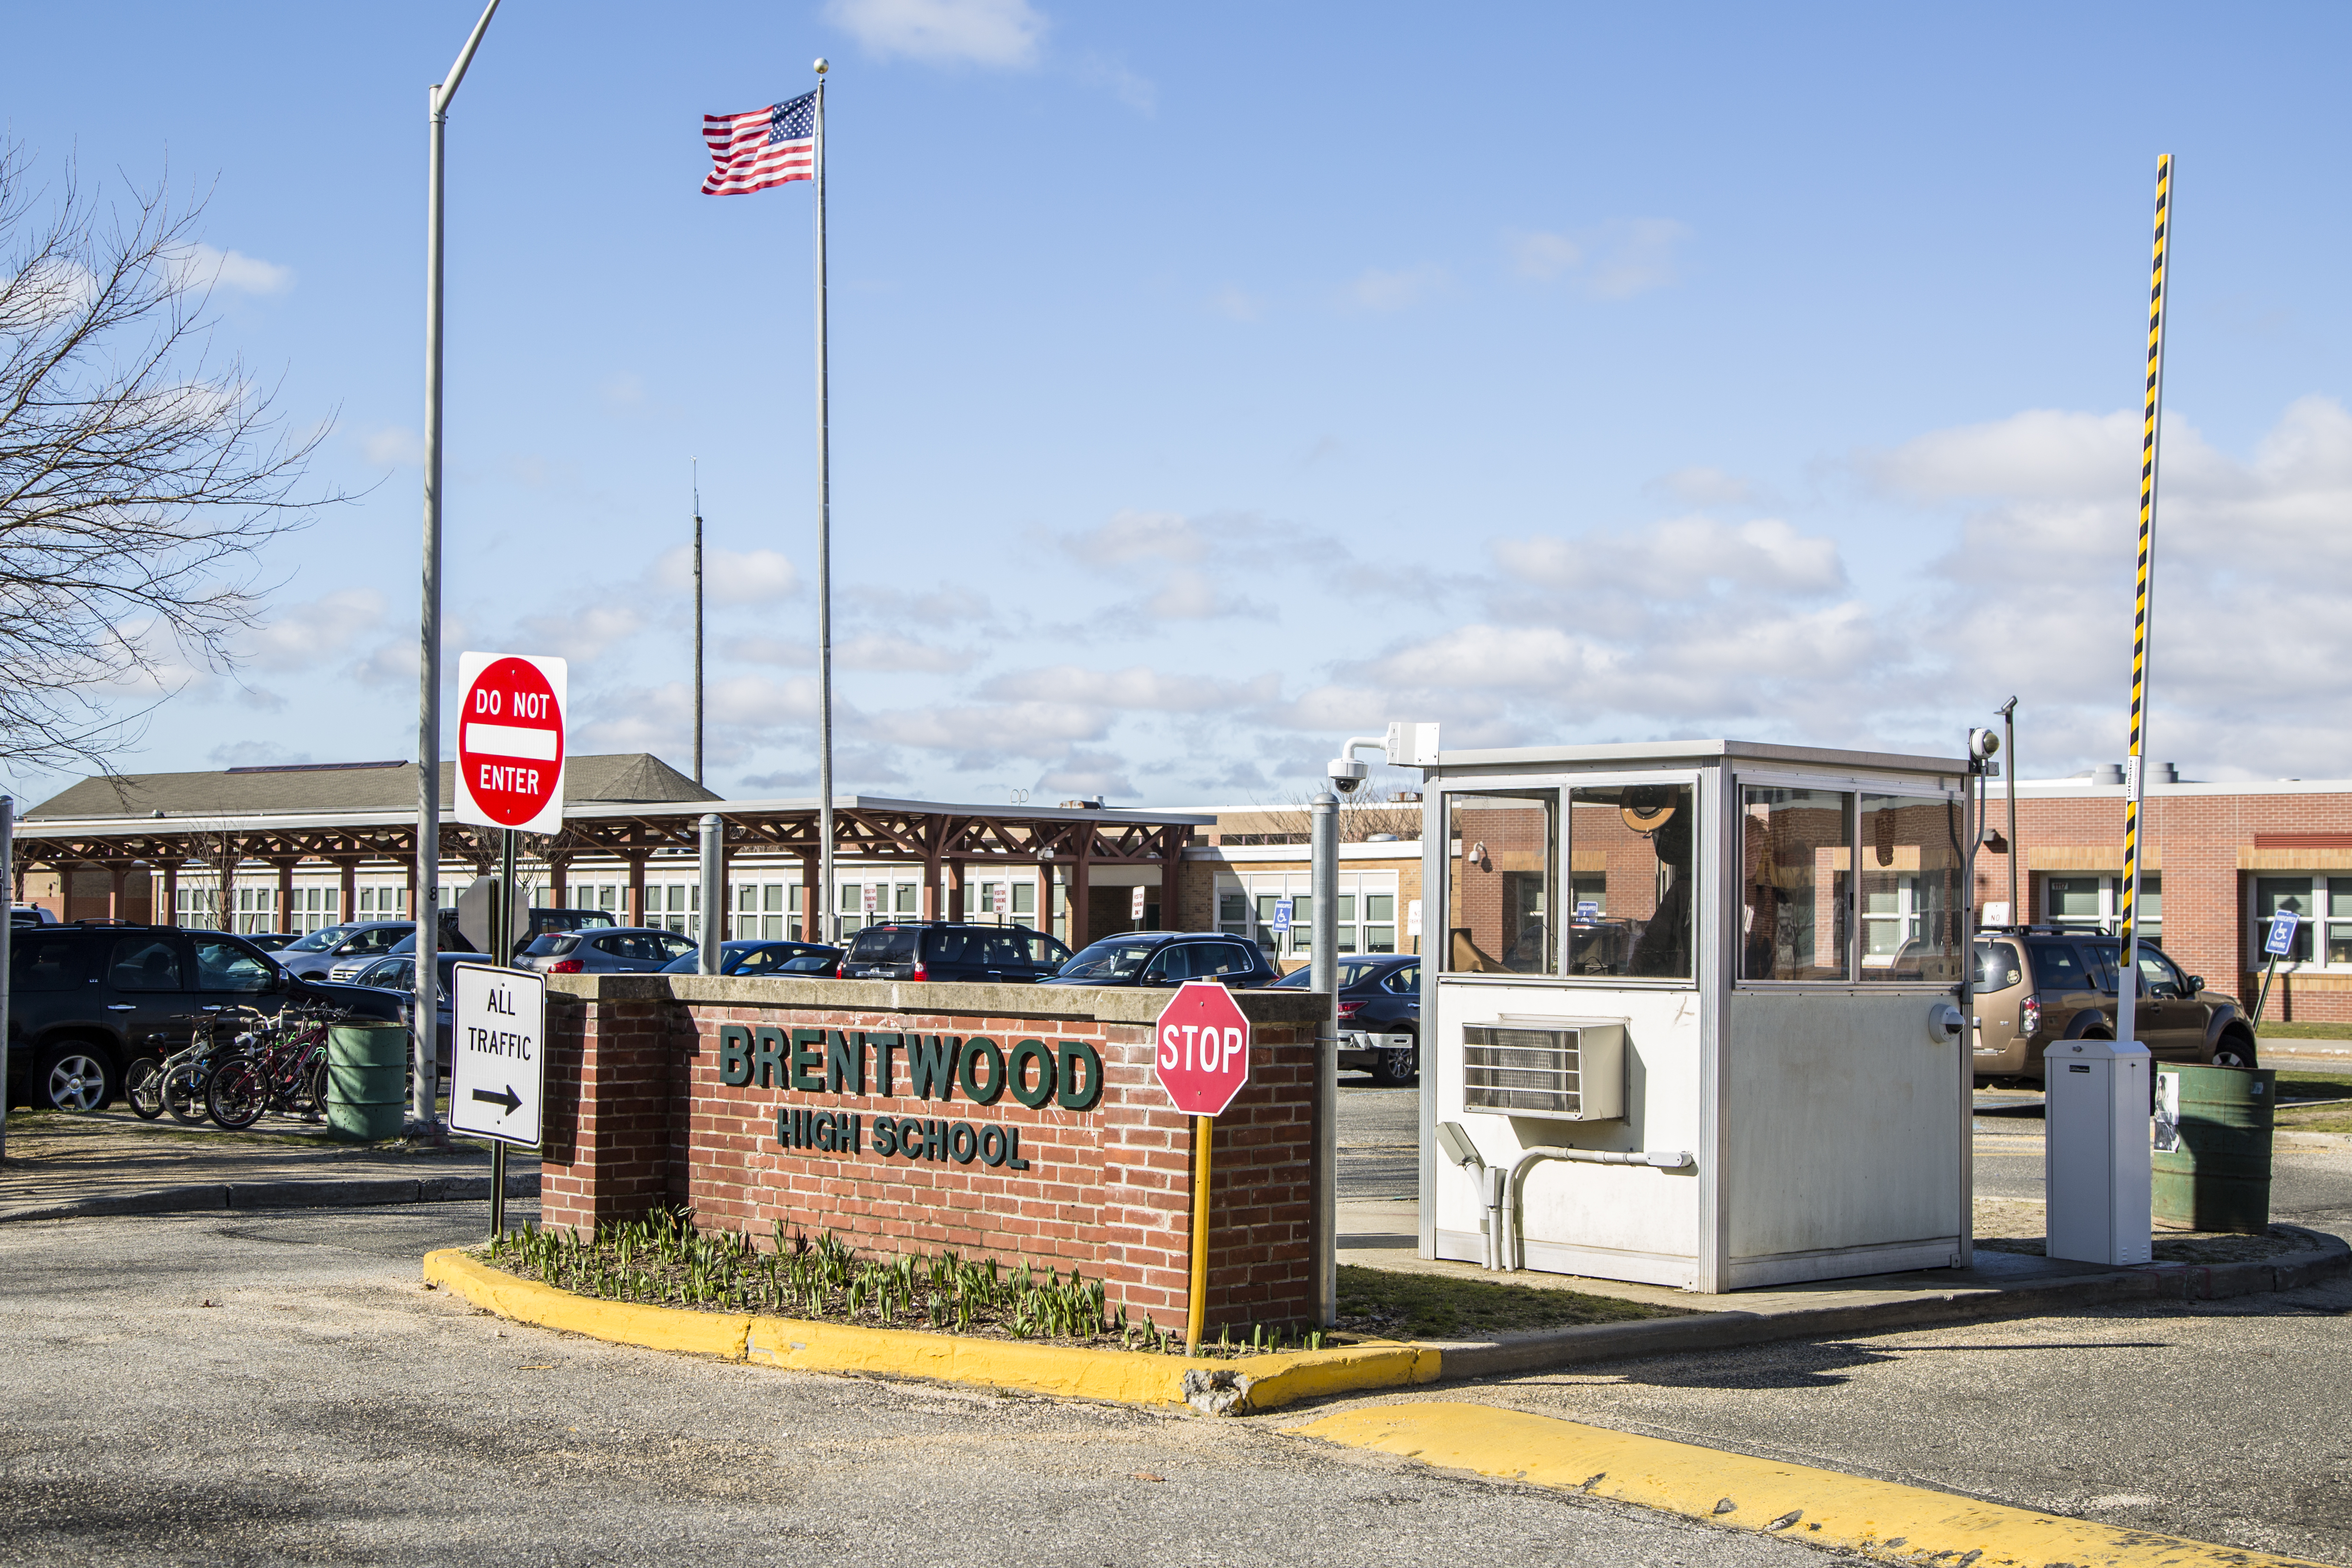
point(367, 1084)
point(2217, 1175)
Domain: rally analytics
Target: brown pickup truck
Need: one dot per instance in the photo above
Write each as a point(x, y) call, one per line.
point(2039, 984)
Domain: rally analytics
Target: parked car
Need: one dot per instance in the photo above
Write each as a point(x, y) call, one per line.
point(86, 1002)
point(2036, 985)
point(1169, 958)
point(1379, 1014)
point(398, 975)
point(746, 957)
point(272, 941)
point(941, 950)
point(623, 949)
point(539, 922)
point(315, 956)
point(30, 915)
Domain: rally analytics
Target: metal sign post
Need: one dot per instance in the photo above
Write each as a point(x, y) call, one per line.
point(2278, 944)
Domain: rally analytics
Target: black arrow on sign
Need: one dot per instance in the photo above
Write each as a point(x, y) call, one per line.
point(511, 1100)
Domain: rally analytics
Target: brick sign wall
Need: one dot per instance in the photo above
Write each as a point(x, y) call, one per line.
point(924, 1117)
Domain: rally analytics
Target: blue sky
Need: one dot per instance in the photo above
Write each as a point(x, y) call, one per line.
point(1211, 383)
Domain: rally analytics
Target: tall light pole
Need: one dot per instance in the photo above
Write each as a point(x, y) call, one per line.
point(2009, 777)
point(428, 662)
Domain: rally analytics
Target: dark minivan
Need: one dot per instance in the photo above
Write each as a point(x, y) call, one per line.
point(1000, 955)
point(86, 1002)
point(1169, 958)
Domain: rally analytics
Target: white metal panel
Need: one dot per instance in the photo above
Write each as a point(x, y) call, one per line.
point(1841, 1124)
point(2096, 1171)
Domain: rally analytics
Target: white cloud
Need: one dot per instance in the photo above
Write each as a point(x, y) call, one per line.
point(301, 636)
point(201, 267)
point(1614, 260)
point(1383, 291)
point(2044, 453)
point(1236, 304)
point(980, 734)
point(1132, 536)
point(584, 633)
point(1133, 90)
point(731, 576)
point(1135, 686)
point(978, 31)
point(394, 446)
point(1089, 776)
point(1707, 487)
point(1683, 558)
point(1542, 257)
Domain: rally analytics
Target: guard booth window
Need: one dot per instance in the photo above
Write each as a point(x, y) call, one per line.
point(1796, 866)
point(1910, 888)
point(1505, 883)
point(1630, 847)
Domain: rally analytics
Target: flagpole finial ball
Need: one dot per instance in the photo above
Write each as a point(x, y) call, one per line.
point(820, 66)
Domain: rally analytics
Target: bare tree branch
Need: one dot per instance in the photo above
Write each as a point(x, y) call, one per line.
point(137, 483)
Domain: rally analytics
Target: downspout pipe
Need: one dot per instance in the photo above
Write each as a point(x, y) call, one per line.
point(1509, 1243)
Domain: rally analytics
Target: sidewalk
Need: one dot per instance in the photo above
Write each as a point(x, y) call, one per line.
point(2001, 1284)
point(64, 1166)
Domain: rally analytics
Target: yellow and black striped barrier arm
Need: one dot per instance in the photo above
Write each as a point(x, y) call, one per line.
point(2129, 910)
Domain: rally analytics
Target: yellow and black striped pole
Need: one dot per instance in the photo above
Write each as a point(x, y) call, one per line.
point(2136, 767)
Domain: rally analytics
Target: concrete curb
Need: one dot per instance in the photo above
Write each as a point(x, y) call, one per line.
point(1232, 1387)
point(1885, 1519)
point(2325, 1257)
point(363, 1193)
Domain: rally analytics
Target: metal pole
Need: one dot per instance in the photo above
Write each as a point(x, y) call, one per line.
point(1323, 962)
point(7, 957)
point(1196, 1293)
point(697, 619)
point(2009, 782)
point(507, 927)
point(2269, 972)
point(831, 928)
point(498, 1188)
point(428, 662)
point(2136, 766)
point(714, 892)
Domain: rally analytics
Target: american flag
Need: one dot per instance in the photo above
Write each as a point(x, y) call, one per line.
point(771, 146)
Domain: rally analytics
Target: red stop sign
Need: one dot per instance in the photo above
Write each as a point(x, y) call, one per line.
point(510, 744)
point(1202, 1047)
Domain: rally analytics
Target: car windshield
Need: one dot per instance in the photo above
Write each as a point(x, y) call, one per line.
point(323, 940)
point(553, 945)
point(1352, 971)
point(1113, 958)
point(993, 946)
point(808, 963)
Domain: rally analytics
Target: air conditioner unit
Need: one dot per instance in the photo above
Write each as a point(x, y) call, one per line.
point(1570, 1069)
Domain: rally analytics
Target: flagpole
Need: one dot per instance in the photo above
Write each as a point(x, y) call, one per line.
point(697, 471)
point(823, 893)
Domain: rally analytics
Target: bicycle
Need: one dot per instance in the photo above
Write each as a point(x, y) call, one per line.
point(182, 1082)
point(285, 1069)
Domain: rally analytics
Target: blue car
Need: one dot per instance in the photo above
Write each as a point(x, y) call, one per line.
point(805, 960)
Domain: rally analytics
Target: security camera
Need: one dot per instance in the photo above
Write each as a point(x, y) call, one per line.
point(1983, 744)
point(1346, 774)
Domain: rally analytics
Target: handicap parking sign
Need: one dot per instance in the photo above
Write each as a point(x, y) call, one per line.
point(2281, 941)
point(1281, 916)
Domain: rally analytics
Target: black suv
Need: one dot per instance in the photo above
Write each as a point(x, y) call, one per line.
point(940, 950)
point(1169, 958)
point(87, 1001)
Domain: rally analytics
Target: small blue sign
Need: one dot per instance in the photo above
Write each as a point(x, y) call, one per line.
point(1588, 908)
point(1281, 916)
point(2281, 938)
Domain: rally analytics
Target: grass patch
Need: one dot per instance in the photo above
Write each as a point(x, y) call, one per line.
point(2304, 1032)
point(2331, 1119)
point(666, 1261)
point(1435, 1306)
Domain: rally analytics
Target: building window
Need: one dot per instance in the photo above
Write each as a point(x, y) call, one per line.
point(1245, 908)
point(2095, 903)
point(1796, 863)
point(2323, 935)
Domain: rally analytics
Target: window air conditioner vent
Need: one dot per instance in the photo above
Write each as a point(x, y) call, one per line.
point(1569, 1069)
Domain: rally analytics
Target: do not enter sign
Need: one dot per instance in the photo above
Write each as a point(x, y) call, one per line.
point(1202, 1047)
point(511, 741)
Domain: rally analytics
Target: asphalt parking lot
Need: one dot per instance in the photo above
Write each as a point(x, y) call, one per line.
point(278, 1388)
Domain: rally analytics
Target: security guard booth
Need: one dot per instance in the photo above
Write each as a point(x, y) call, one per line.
point(1690, 1010)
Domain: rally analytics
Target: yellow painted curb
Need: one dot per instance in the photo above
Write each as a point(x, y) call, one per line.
point(1264, 1381)
point(1821, 1507)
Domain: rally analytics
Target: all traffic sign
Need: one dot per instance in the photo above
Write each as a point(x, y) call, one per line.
point(1203, 1043)
point(511, 741)
point(498, 1021)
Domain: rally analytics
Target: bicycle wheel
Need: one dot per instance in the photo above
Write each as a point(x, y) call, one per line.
point(238, 1094)
point(184, 1088)
point(143, 1086)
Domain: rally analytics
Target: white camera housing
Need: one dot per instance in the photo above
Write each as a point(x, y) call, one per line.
point(1346, 774)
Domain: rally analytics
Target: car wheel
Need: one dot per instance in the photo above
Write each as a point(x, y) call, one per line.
point(1397, 1065)
point(71, 1078)
point(143, 1086)
point(2234, 1051)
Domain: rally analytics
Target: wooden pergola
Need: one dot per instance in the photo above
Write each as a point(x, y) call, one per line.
point(947, 841)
